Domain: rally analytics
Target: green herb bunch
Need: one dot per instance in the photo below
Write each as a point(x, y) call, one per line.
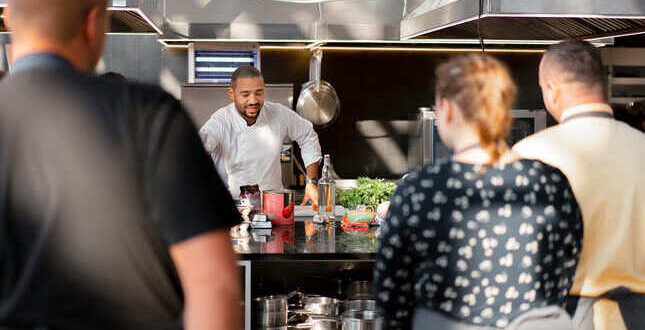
point(368, 192)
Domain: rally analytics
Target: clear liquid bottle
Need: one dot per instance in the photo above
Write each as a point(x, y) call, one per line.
point(327, 190)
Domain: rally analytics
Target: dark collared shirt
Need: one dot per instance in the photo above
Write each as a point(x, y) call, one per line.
point(40, 60)
point(102, 177)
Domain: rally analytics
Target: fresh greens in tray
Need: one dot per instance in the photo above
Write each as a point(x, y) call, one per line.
point(369, 192)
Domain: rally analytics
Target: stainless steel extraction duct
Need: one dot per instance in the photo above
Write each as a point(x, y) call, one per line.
point(128, 16)
point(526, 20)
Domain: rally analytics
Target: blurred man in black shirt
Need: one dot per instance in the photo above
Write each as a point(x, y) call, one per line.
point(111, 214)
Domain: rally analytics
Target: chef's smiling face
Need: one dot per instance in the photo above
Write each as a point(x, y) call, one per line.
point(248, 96)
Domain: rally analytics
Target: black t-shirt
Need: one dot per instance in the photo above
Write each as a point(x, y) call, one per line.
point(98, 178)
point(478, 247)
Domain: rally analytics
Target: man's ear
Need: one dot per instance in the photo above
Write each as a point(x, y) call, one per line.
point(5, 18)
point(94, 23)
point(231, 94)
point(554, 93)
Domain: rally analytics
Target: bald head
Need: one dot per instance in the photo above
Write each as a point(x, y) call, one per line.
point(56, 20)
point(72, 29)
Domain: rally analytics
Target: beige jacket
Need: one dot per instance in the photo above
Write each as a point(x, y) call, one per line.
point(604, 160)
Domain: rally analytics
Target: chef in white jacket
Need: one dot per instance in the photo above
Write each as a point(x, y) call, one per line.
point(244, 138)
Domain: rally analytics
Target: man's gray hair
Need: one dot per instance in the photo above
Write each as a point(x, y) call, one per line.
point(577, 61)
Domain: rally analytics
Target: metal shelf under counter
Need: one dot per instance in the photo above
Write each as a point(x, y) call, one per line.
point(313, 258)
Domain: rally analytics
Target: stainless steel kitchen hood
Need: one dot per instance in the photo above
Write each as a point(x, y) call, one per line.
point(278, 21)
point(527, 20)
point(128, 16)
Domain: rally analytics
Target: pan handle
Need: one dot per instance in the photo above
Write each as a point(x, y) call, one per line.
point(314, 67)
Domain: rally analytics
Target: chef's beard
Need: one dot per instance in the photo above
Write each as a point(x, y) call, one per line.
point(242, 110)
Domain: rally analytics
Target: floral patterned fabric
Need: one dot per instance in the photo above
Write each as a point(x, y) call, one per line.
point(478, 245)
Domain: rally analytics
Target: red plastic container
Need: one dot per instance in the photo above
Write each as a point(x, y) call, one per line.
point(279, 206)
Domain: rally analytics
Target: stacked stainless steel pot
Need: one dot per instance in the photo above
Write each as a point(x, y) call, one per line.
point(272, 312)
point(322, 313)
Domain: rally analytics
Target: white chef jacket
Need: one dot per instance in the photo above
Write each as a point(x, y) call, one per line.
point(251, 154)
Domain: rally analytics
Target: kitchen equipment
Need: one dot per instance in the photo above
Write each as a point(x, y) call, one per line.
point(318, 101)
point(250, 196)
point(425, 146)
point(210, 62)
point(326, 191)
point(271, 311)
point(279, 206)
point(362, 320)
point(317, 322)
point(361, 305)
point(322, 305)
point(360, 290)
point(323, 323)
point(261, 220)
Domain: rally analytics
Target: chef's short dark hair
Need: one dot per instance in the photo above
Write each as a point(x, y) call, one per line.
point(245, 71)
point(577, 60)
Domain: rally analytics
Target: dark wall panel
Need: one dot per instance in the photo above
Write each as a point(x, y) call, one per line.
point(384, 87)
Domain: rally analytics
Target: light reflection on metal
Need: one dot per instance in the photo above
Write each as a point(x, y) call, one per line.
point(448, 50)
point(283, 47)
point(544, 19)
point(617, 36)
point(455, 23)
point(309, 44)
point(139, 12)
point(131, 33)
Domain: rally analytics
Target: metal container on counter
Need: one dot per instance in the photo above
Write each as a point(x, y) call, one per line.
point(361, 305)
point(279, 206)
point(271, 311)
point(362, 320)
point(360, 290)
point(323, 323)
point(322, 305)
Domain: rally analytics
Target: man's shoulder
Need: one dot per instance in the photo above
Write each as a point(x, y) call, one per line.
point(542, 139)
point(149, 93)
point(277, 108)
point(630, 133)
point(222, 114)
point(220, 120)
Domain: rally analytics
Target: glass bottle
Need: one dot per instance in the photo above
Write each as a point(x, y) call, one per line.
point(327, 190)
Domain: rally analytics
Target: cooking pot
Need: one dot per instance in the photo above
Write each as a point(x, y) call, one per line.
point(322, 305)
point(318, 101)
point(316, 322)
point(271, 311)
point(362, 320)
point(361, 305)
point(360, 290)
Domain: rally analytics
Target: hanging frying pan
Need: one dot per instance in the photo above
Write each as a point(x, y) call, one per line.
point(318, 101)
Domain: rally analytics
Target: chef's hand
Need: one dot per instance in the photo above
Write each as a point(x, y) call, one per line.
point(311, 194)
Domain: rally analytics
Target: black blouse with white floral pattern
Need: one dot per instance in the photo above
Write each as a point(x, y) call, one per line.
point(480, 246)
